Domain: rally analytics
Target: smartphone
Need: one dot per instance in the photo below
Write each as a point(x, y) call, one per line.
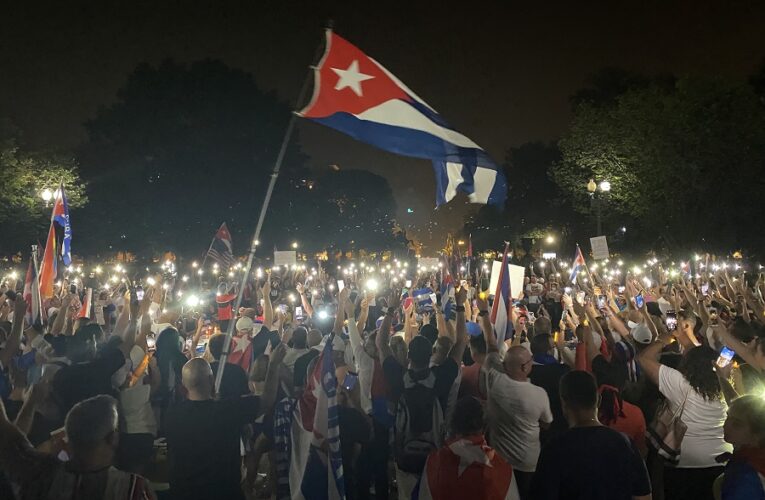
point(139, 293)
point(408, 283)
point(705, 289)
point(601, 301)
point(340, 285)
point(298, 312)
point(726, 356)
point(350, 381)
point(151, 342)
point(671, 321)
point(639, 301)
point(621, 289)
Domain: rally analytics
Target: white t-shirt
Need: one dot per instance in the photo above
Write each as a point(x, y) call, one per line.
point(514, 411)
point(533, 292)
point(365, 364)
point(703, 440)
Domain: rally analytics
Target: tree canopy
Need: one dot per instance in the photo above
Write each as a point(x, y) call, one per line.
point(184, 148)
point(24, 215)
point(684, 161)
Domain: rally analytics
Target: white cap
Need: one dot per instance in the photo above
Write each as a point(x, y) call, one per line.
point(642, 334)
point(664, 305)
point(244, 324)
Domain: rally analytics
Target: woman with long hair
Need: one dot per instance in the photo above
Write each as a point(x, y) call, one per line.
point(695, 391)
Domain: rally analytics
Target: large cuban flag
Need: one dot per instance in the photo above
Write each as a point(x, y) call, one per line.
point(356, 95)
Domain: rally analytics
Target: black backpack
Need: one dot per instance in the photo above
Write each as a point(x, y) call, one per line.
point(419, 424)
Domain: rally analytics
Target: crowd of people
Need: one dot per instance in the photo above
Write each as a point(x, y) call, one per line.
point(599, 389)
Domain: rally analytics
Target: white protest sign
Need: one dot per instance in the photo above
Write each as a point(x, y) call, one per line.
point(599, 247)
point(285, 258)
point(516, 274)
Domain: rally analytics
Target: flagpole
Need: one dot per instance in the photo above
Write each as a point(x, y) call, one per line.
point(36, 287)
point(254, 243)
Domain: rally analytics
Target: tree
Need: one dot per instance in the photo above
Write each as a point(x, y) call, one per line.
point(354, 209)
point(24, 216)
point(184, 148)
point(534, 206)
point(684, 162)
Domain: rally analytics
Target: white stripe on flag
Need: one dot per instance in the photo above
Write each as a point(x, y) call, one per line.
point(454, 174)
point(483, 185)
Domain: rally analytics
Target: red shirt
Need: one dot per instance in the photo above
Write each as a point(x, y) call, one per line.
point(632, 424)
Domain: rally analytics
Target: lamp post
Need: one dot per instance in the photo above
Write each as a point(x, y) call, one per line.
point(595, 201)
point(46, 194)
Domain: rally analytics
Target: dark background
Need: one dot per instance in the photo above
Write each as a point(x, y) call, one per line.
point(501, 72)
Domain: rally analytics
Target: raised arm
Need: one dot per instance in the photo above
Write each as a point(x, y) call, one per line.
point(63, 312)
point(458, 350)
point(268, 310)
point(364, 314)
point(12, 343)
point(486, 326)
point(383, 335)
point(342, 298)
point(304, 300)
point(353, 330)
point(648, 359)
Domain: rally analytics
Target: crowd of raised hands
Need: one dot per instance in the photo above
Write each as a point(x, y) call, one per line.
point(425, 382)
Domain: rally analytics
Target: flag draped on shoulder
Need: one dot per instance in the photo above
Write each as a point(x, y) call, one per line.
point(220, 249)
point(316, 464)
point(577, 265)
point(500, 309)
point(356, 95)
point(58, 245)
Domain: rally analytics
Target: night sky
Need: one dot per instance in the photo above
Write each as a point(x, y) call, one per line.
point(500, 72)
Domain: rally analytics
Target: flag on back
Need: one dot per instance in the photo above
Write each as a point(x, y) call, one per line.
point(57, 246)
point(500, 309)
point(221, 250)
point(316, 465)
point(32, 295)
point(356, 95)
point(578, 264)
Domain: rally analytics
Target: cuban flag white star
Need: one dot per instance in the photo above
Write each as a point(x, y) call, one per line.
point(351, 77)
point(241, 343)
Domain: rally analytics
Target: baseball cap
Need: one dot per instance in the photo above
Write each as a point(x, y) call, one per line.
point(244, 324)
point(641, 333)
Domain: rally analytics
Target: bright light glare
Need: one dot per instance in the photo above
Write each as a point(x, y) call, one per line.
point(192, 301)
point(372, 284)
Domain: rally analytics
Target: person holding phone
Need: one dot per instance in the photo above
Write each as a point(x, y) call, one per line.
point(695, 388)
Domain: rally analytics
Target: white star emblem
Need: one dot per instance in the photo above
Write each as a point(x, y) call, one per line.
point(241, 343)
point(351, 77)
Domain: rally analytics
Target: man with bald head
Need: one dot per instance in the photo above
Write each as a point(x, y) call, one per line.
point(203, 434)
point(516, 409)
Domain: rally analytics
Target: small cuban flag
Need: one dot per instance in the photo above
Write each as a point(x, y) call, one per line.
point(577, 265)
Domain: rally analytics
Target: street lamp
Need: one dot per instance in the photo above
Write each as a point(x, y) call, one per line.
point(46, 195)
point(294, 245)
point(595, 201)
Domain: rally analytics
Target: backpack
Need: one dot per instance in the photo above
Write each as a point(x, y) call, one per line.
point(419, 426)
